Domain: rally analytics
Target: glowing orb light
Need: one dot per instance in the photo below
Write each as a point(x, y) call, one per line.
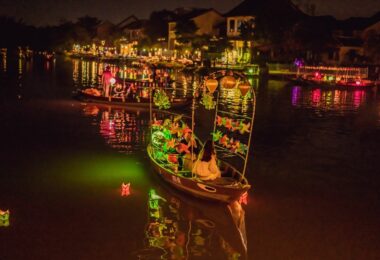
point(125, 191)
point(112, 81)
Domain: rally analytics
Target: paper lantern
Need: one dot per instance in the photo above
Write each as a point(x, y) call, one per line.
point(244, 198)
point(244, 88)
point(211, 85)
point(228, 82)
point(125, 191)
point(112, 81)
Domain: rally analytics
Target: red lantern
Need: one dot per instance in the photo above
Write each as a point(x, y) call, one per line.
point(228, 82)
point(211, 85)
point(244, 88)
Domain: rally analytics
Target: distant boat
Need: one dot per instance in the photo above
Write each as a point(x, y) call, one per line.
point(93, 96)
point(328, 76)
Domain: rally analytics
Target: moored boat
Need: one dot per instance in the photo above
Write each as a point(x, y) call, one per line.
point(93, 95)
point(340, 77)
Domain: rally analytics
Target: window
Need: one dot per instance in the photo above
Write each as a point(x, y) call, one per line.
point(232, 25)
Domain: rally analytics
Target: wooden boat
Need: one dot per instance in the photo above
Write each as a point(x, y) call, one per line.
point(225, 189)
point(232, 184)
point(176, 102)
point(334, 77)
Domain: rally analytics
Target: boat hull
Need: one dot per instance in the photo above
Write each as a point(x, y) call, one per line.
point(198, 188)
point(117, 101)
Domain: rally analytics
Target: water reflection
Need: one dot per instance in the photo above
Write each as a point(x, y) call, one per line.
point(88, 73)
point(328, 99)
point(123, 130)
point(182, 228)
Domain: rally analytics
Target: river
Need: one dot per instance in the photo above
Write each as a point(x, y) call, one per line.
point(313, 169)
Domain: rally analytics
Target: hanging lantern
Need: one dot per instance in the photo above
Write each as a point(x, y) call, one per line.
point(228, 82)
point(211, 85)
point(244, 88)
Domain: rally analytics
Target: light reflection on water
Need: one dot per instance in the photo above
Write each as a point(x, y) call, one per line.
point(182, 228)
point(328, 99)
point(125, 131)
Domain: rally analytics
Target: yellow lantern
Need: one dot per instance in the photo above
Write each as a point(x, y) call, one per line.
point(211, 85)
point(244, 88)
point(228, 82)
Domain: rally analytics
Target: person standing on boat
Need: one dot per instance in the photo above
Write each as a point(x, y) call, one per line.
point(106, 80)
point(206, 167)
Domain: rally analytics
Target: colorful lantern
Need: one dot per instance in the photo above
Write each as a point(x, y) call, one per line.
point(211, 85)
point(244, 88)
point(4, 218)
point(125, 191)
point(228, 82)
point(244, 198)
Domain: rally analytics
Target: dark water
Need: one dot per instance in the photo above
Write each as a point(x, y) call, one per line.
point(314, 171)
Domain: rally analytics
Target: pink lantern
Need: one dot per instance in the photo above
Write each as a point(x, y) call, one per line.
point(125, 191)
point(244, 198)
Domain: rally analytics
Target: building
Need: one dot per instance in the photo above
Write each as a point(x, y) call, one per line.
point(277, 15)
point(206, 20)
point(133, 28)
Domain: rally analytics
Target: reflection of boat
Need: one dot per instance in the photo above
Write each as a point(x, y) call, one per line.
point(182, 228)
point(227, 138)
point(346, 77)
point(86, 96)
point(329, 99)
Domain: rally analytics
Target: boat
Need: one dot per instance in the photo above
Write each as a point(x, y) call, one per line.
point(233, 184)
point(179, 227)
point(341, 77)
point(93, 95)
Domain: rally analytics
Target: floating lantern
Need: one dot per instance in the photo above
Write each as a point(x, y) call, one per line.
point(112, 81)
point(228, 82)
point(244, 198)
point(211, 85)
point(244, 88)
point(4, 218)
point(125, 191)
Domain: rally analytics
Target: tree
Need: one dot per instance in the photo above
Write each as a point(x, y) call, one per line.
point(247, 31)
point(89, 24)
point(372, 47)
point(157, 26)
point(185, 30)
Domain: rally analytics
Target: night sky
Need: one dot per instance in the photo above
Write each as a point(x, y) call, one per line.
point(43, 12)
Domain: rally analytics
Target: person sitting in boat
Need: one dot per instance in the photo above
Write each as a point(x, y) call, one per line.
point(206, 167)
